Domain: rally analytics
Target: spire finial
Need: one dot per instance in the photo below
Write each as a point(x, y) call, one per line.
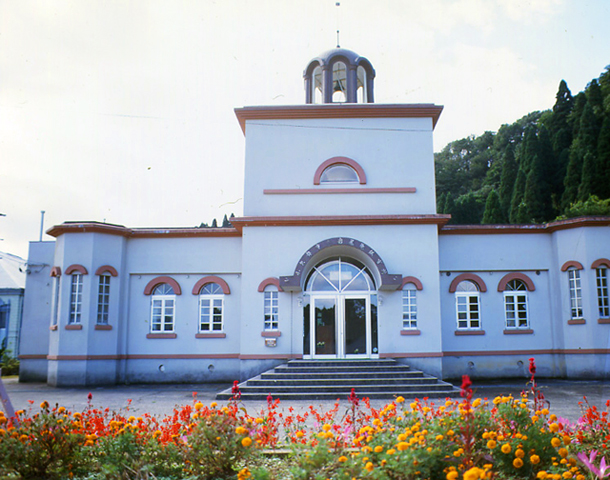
point(338, 4)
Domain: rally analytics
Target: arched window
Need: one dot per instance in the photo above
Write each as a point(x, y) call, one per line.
point(361, 85)
point(409, 306)
point(515, 305)
point(601, 280)
point(271, 308)
point(339, 173)
point(575, 293)
point(211, 306)
point(316, 85)
point(467, 305)
point(340, 276)
point(163, 309)
point(76, 298)
point(339, 83)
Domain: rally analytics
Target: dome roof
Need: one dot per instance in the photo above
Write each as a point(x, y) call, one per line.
point(327, 57)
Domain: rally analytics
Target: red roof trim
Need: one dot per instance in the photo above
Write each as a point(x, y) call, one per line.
point(601, 221)
point(340, 161)
point(211, 279)
point(109, 229)
point(468, 276)
point(55, 272)
point(364, 110)
point(76, 268)
point(158, 281)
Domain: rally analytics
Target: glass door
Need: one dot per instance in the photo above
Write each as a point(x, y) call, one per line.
point(324, 327)
point(355, 334)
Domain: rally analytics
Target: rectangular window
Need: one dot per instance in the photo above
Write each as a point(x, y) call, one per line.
point(76, 299)
point(271, 309)
point(575, 293)
point(103, 300)
point(515, 306)
point(162, 315)
point(468, 311)
point(409, 308)
point(210, 313)
point(5, 312)
point(603, 302)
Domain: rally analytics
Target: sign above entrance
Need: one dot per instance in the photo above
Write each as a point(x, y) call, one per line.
point(294, 283)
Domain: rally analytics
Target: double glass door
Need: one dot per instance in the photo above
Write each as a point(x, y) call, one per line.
point(340, 326)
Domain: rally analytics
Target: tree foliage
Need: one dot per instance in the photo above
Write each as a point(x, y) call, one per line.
point(534, 169)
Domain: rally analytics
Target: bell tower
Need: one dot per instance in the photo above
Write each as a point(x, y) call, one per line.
point(339, 76)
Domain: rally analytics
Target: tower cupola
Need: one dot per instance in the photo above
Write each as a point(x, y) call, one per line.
point(339, 76)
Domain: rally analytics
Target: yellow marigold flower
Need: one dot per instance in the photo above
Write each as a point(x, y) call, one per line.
point(519, 453)
point(491, 444)
point(326, 427)
point(366, 449)
point(23, 438)
point(535, 459)
point(343, 458)
point(299, 434)
point(157, 434)
point(198, 406)
point(77, 415)
point(555, 442)
point(553, 418)
point(2, 432)
point(131, 419)
point(475, 404)
point(473, 474)
point(402, 437)
point(452, 475)
point(485, 435)
point(378, 449)
point(497, 400)
point(240, 430)
point(535, 418)
point(213, 405)
point(369, 466)
point(500, 438)
point(259, 420)
point(544, 411)
point(563, 452)
point(448, 403)
point(61, 409)
point(246, 441)
point(439, 438)
point(506, 448)
point(517, 463)
point(402, 446)
point(553, 427)
point(580, 477)
point(542, 474)
point(400, 399)
point(567, 440)
point(243, 474)
point(44, 405)
point(390, 451)
point(413, 405)
point(450, 433)
point(567, 475)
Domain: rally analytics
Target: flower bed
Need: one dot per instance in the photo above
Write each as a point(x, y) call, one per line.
point(501, 438)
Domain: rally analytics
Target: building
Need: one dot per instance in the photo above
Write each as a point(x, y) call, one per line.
point(12, 285)
point(340, 254)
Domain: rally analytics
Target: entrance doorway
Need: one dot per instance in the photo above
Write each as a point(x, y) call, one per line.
point(340, 316)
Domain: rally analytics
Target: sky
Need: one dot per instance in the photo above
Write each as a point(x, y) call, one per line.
point(122, 111)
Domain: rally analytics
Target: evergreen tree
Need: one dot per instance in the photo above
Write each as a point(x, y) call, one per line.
point(493, 211)
point(529, 148)
point(550, 172)
point(561, 133)
point(603, 158)
point(517, 197)
point(449, 207)
point(468, 209)
point(535, 197)
point(440, 203)
point(225, 222)
point(214, 224)
point(507, 180)
point(595, 99)
point(588, 180)
point(572, 180)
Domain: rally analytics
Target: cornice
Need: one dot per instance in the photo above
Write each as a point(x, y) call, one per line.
point(601, 221)
point(339, 110)
point(120, 230)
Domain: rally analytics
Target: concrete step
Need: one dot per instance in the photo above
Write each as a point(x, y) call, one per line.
point(351, 381)
point(314, 375)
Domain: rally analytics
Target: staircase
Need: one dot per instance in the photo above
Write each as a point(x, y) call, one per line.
point(333, 379)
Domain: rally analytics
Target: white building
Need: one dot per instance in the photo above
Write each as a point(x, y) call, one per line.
point(340, 254)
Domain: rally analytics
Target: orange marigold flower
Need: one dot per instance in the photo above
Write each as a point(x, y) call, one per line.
point(400, 399)
point(452, 475)
point(517, 463)
point(198, 406)
point(343, 458)
point(553, 427)
point(326, 427)
point(369, 466)
point(391, 451)
point(491, 444)
point(473, 474)
point(378, 449)
point(555, 442)
point(563, 452)
point(519, 453)
point(402, 446)
point(535, 459)
point(506, 448)
point(246, 442)
point(542, 474)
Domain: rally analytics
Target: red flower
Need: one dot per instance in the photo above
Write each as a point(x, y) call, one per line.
point(353, 398)
point(466, 390)
point(532, 367)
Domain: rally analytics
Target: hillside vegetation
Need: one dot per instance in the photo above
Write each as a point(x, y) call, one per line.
point(546, 165)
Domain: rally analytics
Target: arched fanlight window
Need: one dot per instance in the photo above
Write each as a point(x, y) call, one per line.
point(340, 276)
point(467, 306)
point(163, 302)
point(515, 304)
point(339, 83)
point(211, 306)
point(339, 173)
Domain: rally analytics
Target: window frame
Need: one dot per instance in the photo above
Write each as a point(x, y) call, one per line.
point(601, 287)
point(76, 299)
point(271, 310)
point(512, 293)
point(575, 291)
point(103, 299)
point(204, 296)
point(162, 300)
point(464, 298)
point(409, 307)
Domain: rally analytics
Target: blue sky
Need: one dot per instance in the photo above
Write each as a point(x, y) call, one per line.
point(123, 110)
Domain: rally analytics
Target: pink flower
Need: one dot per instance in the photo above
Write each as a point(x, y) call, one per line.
point(588, 462)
